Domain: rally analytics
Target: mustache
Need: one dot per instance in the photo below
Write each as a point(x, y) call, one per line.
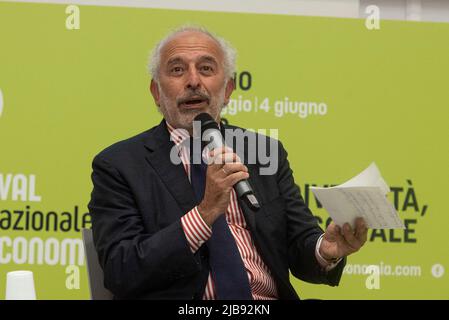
point(194, 95)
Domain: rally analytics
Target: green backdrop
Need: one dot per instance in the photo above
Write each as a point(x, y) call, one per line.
point(372, 95)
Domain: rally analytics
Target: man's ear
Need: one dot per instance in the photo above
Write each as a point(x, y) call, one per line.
point(230, 86)
point(154, 88)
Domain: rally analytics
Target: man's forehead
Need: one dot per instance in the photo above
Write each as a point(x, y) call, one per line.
point(191, 43)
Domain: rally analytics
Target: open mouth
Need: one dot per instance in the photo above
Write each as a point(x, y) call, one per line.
point(194, 102)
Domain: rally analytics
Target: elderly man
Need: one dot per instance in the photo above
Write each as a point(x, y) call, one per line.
point(166, 230)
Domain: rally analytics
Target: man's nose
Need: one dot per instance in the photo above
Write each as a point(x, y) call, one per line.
point(193, 80)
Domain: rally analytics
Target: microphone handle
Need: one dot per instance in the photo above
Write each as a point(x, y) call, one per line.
point(242, 188)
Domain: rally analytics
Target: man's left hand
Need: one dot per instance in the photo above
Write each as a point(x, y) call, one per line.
point(337, 243)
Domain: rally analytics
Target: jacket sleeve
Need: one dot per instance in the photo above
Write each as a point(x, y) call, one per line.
point(303, 231)
point(133, 260)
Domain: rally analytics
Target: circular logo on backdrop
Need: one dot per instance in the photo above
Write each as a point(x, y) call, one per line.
point(1, 102)
point(437, 270)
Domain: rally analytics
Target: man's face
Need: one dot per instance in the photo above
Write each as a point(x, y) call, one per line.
point(191, 79)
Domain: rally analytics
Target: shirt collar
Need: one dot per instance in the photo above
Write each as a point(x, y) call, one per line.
point(178, 136)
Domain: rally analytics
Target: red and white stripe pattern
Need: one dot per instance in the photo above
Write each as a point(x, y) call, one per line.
point(198, 232)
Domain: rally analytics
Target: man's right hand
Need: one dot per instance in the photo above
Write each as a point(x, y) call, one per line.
point(223, 172)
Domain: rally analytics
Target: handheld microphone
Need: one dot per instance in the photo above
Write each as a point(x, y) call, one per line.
point(211, 133)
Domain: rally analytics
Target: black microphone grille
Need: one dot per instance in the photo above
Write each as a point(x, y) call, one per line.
point(207, 122)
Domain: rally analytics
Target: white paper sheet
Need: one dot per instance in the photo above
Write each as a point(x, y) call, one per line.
point(362, 196)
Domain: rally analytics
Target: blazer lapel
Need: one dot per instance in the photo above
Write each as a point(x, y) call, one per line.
point(173, 175)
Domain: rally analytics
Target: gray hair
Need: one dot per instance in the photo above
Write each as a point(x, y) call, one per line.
point(229, 52)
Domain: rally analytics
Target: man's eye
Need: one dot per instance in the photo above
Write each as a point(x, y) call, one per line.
point(207, 68)
point(176, 69)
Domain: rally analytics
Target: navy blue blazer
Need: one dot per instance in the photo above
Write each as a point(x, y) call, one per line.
point(139, 197)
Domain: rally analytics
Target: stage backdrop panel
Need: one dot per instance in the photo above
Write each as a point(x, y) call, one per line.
point(340, 95)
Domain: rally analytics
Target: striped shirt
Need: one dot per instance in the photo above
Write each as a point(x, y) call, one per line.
point(198, 232)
